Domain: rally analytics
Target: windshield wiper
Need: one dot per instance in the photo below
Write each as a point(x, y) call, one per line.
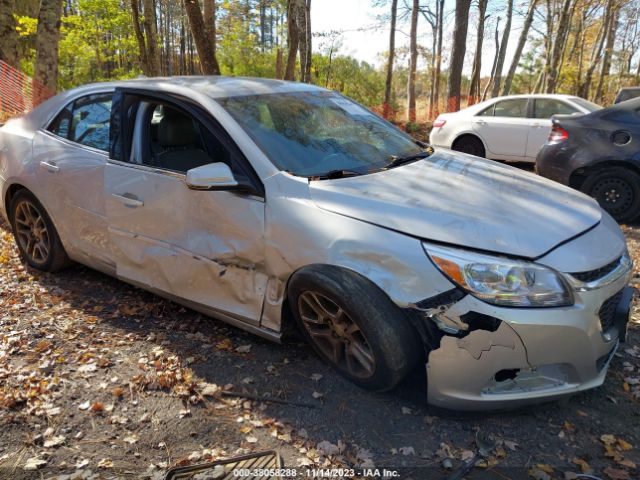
point(397, 161)
point(333, 174)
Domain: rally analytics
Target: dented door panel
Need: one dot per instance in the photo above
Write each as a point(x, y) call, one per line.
point(205, 247)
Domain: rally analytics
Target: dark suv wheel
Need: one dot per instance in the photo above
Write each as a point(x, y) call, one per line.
point(617, 190)
point(354, 326)
point(37, 238)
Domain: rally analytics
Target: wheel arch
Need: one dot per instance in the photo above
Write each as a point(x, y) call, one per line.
point(579, 175)
point(471, 134)
point(10, 193)
point(288, 322)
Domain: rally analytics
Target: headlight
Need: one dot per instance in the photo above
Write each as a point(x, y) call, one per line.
point(502, 281)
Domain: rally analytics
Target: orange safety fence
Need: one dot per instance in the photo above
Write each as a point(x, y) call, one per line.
point(19, 93)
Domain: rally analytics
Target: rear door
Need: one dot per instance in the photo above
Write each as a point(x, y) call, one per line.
point(70, 155)
point(504, 127)
point(205, 247)
point(542, 109)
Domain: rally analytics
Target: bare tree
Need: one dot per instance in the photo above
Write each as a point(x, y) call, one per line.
point(559, 42)
point(210, 23)
point(151, 32)
point(457, 54)
point(522, 40)
point(596, 53)
point(8, 34)
point(474, 88)
point(438, 54)
point(204, 46)
point(392, 56)
point(413, 63)
point(608, 51)
point(304, 44)
point(47, 40)
point(142, 44)
point(495, 60)
point(497, 77)
point(294, 31)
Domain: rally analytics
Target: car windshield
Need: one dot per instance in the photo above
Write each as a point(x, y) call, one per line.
point(592, 107)
point(312, 134)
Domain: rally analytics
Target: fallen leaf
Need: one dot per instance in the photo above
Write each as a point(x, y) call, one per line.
point(328, 448)
point(251, 439)
point(316, 377)
point(317, 395)
point(624, 445)
point(608, 439)
point(406, 411)
point(34, 463)
point(244, 349)
point(105, 463)
point(544, 467)
point(538, 474)
point(616, 473)
point(54, 441)
point(131, 439)
point(584, 466)
point(407, 450)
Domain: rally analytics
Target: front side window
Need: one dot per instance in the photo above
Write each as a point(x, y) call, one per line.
point(313, 133)
point(85, 121)
point(513, 108)
point(545, 108)
point(168, 137)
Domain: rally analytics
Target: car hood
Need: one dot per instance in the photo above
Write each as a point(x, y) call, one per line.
point(466, 201)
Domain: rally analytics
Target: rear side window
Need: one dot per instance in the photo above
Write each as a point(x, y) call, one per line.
point(85, 121)
point(547, 107)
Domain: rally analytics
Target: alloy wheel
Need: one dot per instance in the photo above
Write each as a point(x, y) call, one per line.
point(32, 232)
point(335, 334)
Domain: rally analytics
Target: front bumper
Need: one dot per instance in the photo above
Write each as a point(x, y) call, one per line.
point(532, 355)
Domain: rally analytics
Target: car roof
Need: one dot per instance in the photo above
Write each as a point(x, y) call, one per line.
point(212, 86)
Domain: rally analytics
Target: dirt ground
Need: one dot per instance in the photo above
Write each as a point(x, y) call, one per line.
point(102, 380)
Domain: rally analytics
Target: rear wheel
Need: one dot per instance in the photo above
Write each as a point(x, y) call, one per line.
point(469, 144)
point(353, 326)
point(617, 190)
point(36, 237)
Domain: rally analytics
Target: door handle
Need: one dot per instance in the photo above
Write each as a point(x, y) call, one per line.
point(128, 200)
point(52, 167)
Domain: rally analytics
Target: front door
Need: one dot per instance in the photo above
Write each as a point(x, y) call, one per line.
point(206, 247)
point(504, 127)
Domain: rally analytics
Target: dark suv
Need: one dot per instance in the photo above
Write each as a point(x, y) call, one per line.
point(599, 154)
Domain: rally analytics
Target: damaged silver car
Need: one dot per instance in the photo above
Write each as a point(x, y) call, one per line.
point(262, 202)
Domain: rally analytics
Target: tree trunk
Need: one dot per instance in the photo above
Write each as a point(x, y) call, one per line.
point(151, 34)
point(560, 39)
point(386, 109)
point(436, 88)
point(413, 63)
point(293, 29)
point(457, 54)
point(8, 34)
point(474, 88)
point(522, 40)
point(208, 61)
point(497, 78)
point(585, 86)
point(47, 39)
point(142, 46)
point(304, 43)
point(606, 59)
point(495, 61)
point(210, 23)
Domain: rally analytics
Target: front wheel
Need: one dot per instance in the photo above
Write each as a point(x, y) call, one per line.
point(37, 238)
point(617, 190)
point(353, 326)
point(469, 144)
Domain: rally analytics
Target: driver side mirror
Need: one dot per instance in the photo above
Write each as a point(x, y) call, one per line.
point(214, 176)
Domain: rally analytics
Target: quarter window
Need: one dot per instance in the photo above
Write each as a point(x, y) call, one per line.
point(85, 121)
point(547, 107)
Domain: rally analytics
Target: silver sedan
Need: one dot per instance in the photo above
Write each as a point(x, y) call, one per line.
point(262, 202)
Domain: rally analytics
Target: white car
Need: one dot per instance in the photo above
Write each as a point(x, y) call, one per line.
point(511, 128)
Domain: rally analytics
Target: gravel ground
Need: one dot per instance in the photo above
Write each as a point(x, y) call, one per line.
point(102, 380)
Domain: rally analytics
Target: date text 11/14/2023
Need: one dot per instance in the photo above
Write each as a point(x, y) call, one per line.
point(317, 473)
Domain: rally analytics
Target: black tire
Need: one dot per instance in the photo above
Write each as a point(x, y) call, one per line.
point(617, 190)
point(469, 144)
point(370, 322)
point(49, 255)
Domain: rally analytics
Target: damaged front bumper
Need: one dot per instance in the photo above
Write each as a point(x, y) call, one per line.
point(507, 357)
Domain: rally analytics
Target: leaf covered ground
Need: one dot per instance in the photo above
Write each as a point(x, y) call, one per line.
point(101, 380)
